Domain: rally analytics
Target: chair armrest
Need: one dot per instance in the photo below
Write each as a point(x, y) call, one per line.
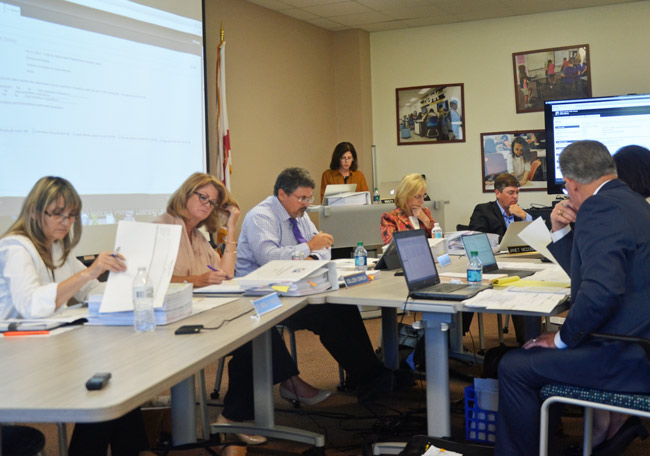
point(644, 343)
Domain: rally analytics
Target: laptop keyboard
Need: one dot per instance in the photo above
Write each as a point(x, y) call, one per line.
point(447, 287)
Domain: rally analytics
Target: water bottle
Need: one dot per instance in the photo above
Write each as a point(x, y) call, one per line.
point(436, 231)
point(143, 316)
point(474, 269)
point(375, 196)
point(360, 258)
point(298, 255)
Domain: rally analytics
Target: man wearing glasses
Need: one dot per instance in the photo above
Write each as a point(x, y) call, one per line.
point(277, 229)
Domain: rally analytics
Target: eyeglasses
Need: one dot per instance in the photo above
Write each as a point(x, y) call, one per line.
point(347, 158)
point(205, 199)
point(304, 199)
point(58, 217)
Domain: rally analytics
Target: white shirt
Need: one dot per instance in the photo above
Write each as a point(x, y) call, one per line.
point(27, 287)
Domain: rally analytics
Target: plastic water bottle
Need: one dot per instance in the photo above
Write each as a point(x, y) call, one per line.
point(143, 316)
point(376, 198)
point(360, 258)
point(436, 231)
point(474, 269)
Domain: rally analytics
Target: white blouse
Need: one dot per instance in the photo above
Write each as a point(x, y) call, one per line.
point(27, 287)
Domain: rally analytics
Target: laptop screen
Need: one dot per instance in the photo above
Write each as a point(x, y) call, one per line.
point(480, 243)
point(417, 260)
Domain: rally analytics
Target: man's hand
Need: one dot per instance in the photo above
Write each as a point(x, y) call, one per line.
point(517, 211)
point(320, 241)
point(561, 215)
point(544, 340)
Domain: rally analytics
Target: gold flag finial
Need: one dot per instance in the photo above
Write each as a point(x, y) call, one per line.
point(221, 34)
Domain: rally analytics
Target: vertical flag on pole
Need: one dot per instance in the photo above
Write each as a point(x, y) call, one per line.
point(224, 160)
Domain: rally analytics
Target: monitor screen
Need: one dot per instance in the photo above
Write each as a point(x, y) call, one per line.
point(108, 94)
point(615, 121)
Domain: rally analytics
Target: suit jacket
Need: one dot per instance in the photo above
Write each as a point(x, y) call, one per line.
point(607, 256)
point(397, 220)
point(487, 218)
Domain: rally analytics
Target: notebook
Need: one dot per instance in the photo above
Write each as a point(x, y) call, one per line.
point(511, 237)
point(420, 270)
point(479, 242)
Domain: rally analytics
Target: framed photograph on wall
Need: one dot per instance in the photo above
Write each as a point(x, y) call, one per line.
point(551, 74)
point(520, 153)
point(430, 114)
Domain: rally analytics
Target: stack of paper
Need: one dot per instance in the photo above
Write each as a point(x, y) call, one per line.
point(176, 306)
point(349, 199)
point(293, 278)
point(225, 287)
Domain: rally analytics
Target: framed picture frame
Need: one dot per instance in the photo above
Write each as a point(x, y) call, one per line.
point(558, 73)
point(431, 114)
point(520, 153)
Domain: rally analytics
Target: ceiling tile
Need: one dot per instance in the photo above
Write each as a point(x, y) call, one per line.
point(338, 9)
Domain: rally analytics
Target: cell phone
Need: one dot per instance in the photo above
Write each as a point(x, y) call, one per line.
point(189, 329)
point(98, 381)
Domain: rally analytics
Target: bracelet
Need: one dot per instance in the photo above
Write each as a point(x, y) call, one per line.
point(230, 251)
point(232, 242)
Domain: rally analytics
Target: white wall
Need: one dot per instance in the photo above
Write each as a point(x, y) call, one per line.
point(479, 54)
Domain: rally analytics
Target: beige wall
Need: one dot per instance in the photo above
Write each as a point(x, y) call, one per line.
point(289, 100)
point(479, 54)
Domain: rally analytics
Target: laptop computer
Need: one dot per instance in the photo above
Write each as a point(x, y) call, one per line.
point(511, 237)
point(335, 189)
point(390, 258)
point(420, 271)
point(479, 242)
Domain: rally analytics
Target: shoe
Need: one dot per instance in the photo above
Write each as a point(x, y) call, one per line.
point(249, 439)
point(293, 397)
point(234, 449)
point(631, 429)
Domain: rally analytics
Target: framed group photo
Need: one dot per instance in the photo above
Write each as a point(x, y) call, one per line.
point(520, 153)
point(551, 74)
point(430, 114)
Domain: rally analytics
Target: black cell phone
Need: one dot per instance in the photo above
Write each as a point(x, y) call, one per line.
point(189, 329)
point(98, 381)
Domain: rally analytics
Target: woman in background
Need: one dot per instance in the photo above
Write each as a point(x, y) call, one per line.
point(203, 201)
point(633, 167)
point(519, 163)
point(343, 169)
point(410, 213)
point(38, 275)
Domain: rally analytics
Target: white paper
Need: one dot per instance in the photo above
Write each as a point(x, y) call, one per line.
point(280, 271)
point(512, 299)
point(538, 237)
point(227, 286)
point(150, 245)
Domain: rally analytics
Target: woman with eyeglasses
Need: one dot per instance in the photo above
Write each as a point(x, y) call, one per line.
point(410, 213)
point(37, 273)
point(204, 201)
point(38, 276)
point(343, 169)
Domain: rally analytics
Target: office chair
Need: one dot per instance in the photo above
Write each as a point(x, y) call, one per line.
point(590, 399)
point(22, 441)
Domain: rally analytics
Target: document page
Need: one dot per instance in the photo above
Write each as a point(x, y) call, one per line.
point(538, 237)
point(150, 245)
point(518, 299)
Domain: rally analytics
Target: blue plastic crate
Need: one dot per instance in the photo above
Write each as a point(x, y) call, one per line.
point(480, 425)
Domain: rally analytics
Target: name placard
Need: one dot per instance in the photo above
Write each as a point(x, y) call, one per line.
point(521, 249)
point(265, 304)
point(355, 279)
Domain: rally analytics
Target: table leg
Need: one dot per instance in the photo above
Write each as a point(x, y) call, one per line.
point(389, 340)
point(437, 366)
point(183, 412)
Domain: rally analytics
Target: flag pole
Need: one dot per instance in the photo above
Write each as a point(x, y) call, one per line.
point(221, 34)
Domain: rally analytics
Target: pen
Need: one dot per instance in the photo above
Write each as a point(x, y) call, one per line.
point(212, 268)
point(26, 333)
point(114, 254)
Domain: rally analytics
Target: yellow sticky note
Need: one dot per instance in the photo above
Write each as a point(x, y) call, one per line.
point(281, 288)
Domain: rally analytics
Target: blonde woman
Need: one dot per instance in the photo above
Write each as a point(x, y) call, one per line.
point(410, 213)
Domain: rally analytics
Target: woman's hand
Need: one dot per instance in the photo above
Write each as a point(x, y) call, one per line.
point(233, 214)
point(210, 278)
point(419, 214)
point(106, 261)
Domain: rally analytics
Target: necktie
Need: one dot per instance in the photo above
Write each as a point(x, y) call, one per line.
point(296, 231)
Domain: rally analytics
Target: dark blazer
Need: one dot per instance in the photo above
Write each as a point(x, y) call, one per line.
point(607, 256)
point(487, 218)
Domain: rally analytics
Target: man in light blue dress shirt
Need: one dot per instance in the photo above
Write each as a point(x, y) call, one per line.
point(278, 229)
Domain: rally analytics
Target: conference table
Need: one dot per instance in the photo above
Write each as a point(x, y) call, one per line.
point(43, 378)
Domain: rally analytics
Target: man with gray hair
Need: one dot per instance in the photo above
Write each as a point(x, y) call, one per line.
point(607, 255)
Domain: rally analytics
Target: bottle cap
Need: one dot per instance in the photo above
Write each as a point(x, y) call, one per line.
point(359, 244)
point(473, 252)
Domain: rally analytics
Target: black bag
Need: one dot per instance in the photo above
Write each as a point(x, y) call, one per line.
point(492, 358)
point(418, 444)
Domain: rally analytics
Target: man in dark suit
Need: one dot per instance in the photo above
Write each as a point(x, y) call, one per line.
point(607, 256)
point(496, 216)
